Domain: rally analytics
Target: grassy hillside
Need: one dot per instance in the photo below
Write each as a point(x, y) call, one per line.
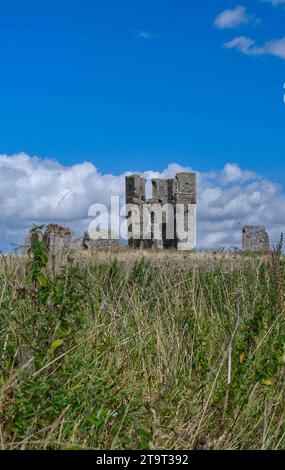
point(123, 351)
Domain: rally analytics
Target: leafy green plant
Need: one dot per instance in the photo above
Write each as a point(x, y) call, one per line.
point(38, 258)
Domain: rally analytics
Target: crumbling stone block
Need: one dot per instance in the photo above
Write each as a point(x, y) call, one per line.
point(57, 240)
point(255, 238)
point(186, 183)
point(135, 189)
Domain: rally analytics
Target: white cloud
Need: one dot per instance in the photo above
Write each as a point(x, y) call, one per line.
point(241, 43)
point(33, 190)
point(233, 173)
point(145, 34)
point(275, 47)
point(234, 18)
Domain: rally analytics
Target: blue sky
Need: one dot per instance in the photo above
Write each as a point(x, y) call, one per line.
point(138, 84)
point(92, 89)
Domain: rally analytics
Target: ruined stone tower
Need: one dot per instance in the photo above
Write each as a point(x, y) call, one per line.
point(176, 198)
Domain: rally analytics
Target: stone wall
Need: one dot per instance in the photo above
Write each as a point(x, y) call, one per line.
point(59, 243)
point(85, 243)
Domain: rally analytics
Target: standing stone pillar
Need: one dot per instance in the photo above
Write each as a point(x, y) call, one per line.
point(162, 215)
point(255, 239)
point(135, 198)
point(57, 240)
point(185, 205)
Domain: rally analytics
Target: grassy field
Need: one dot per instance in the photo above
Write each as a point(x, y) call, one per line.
point(134, 350)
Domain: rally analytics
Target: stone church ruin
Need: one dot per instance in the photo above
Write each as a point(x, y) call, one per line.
point(170, 214)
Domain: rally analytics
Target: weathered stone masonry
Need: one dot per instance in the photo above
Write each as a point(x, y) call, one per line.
point(179, 192)
point(255, 238)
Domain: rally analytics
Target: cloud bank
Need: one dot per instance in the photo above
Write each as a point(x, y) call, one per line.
point(247, 46)
point(33, 190)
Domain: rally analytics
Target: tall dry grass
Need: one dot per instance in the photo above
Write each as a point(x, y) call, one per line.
point(144, 351)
